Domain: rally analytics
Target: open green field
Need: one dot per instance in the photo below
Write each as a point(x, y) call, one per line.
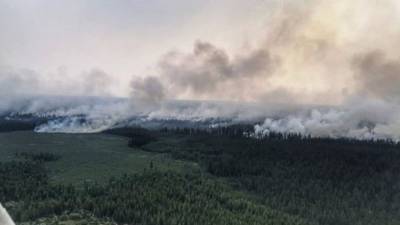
point(94, 157)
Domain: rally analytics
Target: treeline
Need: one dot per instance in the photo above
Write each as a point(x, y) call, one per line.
point(137, 136)
point(15, 125)
point(151, 198)
point(239, 130)
point(40, 156)
point(247, 131)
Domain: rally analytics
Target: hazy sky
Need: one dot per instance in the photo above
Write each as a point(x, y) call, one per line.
point(316, 51)
point(123, 38)
point(340, 53)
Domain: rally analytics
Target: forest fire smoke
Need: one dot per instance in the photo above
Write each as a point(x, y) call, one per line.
point(317, 70)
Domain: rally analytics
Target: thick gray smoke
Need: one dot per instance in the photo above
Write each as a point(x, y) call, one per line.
point(322, 52)
point(319, 70)
point(202, 74)
point(379, 76)
point(207, 69)
point(147, 91)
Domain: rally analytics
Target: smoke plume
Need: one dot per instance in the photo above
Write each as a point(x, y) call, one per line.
point(321, 68)
point(378, 76)
point(319, 51)
point(369, 120)
point(148, 91)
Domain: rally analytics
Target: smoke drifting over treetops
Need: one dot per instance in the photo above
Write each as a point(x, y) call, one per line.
point(341, 55)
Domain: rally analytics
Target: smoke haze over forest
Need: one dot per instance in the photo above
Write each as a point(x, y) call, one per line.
point(320, 68)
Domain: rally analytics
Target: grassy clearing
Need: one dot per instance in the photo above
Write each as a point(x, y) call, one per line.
point(94, 157)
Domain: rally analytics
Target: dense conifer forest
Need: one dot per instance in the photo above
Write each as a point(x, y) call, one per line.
point(322, 180)
point(153, 197)
point(275, 179)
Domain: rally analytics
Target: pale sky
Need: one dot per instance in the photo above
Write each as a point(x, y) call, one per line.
point(123, 38)
point(316, 51)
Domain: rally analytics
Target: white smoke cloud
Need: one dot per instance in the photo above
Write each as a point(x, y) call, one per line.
point(74, 114)
point(313, 53)
point(358, 118)
point(367, 120)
